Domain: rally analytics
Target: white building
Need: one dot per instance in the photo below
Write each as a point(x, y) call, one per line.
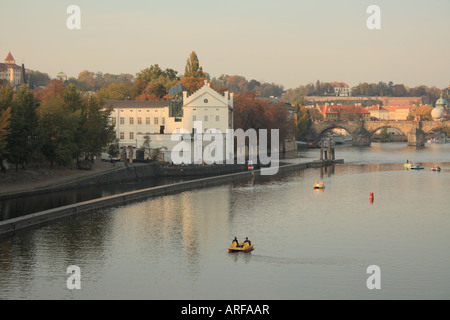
point(135, 120)
point(341, 89)
point(10, 71)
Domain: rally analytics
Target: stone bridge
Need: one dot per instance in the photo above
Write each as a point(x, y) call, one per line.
point(362, 131)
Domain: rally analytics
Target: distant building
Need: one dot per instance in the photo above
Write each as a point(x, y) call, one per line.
point(341, 89)
point(399, 113)
point(11, 72)
point(343, 112)
point(378, 112)
point(61, 76)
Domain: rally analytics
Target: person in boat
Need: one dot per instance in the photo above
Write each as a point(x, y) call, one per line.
point(235, 240)
point(248, 241)
point(407, 161)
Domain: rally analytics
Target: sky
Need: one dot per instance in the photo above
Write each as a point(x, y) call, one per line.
point(288, 42)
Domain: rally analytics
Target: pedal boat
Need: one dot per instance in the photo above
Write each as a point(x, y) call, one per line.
point(436, 169)
point(319, 185)
point(243, 247)
point(416, 166)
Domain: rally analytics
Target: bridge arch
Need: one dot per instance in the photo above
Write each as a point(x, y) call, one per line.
point(387, 126)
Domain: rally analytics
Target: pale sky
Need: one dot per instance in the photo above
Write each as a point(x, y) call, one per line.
point(289, 42)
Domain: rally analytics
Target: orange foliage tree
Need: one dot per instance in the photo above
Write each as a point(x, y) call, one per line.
point(257, 113)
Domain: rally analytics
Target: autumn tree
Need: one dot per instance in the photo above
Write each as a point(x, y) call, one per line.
point(423, 111)
point(192, 84)
point(256, 113)
point(193, 68)
point(303, 122)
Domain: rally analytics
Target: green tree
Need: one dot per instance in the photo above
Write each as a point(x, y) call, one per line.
point(22, 138)
point(193, 68)
point(57, 131)
point(154, 72)
point(96, 129)
point(303, 122)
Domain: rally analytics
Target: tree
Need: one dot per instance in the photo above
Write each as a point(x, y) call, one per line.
point(423, 111)
point(192, 84)
point(37, 79)
point(118, 91)
point(193, 68)
point(303, 122)
point(154, 72)
point(96, 130)
point(57, 131)
point(5, 115)
point(22, 138)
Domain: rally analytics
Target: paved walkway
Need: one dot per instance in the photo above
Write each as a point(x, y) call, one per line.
point(33, 178)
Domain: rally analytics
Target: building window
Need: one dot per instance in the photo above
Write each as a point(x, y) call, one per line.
point(156, 121)
point(194, 118)
point(217, 118)
point(147, 120)
point(131, 120)
point(122, 136)
point(139, 120)
point(131, 135)
point(163, 120)
point(122, 120)
point(113, 121)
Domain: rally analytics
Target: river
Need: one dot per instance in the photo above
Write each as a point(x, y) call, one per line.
point(308, 244)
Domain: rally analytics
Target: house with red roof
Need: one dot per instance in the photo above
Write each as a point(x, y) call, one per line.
point(343, 112)
point(10, 72)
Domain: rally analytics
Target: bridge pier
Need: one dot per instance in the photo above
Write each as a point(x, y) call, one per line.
point(361, 137)
point(416, 138)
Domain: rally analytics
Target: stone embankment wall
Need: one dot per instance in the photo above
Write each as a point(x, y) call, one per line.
point(12, 226)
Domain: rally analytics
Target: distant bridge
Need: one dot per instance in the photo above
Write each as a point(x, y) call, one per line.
point(362, 131)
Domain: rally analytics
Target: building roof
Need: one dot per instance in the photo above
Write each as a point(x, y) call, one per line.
point(340, 108)
point(339, 84)
point(136, 104)
point(376, 108)
point(395, 108)
point(4, 66)
point(10, 57)
point(441, 102)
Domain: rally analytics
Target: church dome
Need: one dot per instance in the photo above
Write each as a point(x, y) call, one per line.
point(441, 103)
point(437, 113)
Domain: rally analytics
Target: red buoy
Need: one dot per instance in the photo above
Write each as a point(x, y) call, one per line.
point(371, 195)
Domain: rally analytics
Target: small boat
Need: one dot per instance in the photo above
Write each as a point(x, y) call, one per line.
point(319, 185)
point(407, 165)
point(242, 247)
point(438, 169)
point(416, 167)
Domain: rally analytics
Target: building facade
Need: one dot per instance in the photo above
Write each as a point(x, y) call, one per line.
point(142, 124)
point(341, 89)
point(10, 72)
point(343, 112)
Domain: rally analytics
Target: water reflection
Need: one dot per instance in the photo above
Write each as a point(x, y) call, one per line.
point(13, 208)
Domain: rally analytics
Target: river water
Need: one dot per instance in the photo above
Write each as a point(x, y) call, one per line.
point(308, 244)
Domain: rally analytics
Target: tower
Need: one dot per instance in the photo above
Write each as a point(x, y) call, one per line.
point(9, 59)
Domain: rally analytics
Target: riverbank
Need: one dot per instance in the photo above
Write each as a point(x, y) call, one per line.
point(12, 226)
point(43, 181)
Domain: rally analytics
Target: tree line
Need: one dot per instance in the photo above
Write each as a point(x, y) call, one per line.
point(58, 126)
